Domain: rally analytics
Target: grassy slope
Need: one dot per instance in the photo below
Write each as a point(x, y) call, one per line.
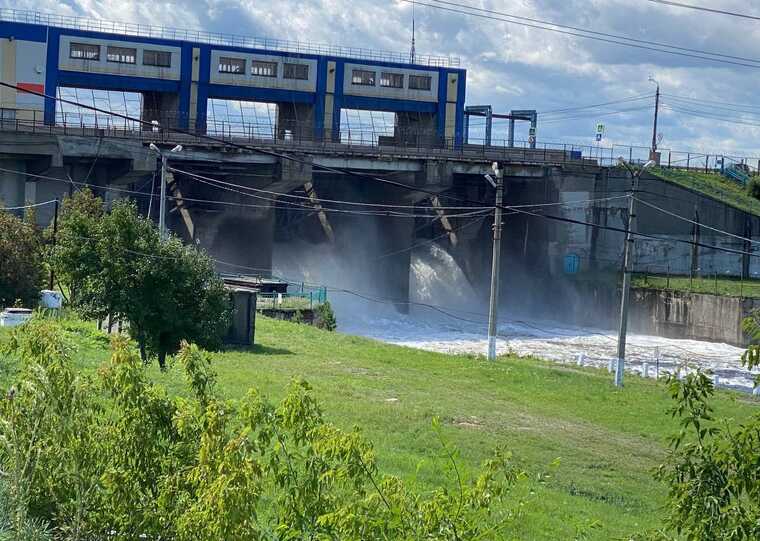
point(732, 287)
point(713, 185)
point(607, 441)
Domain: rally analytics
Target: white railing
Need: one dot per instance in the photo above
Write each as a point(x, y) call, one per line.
point(217, 38)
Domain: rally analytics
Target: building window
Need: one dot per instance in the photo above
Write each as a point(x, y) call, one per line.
point(161, 59)
point(296, 71)
point(392, 80)
point(264, 69)
point(363, 77)
point(231, 65)
point(84, 51)
point(420, 82)
point(121, 55)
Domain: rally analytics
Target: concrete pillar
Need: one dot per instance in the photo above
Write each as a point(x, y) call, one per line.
point(416, 129)
point(12, 185)
point(295, 121)
point(162, 107)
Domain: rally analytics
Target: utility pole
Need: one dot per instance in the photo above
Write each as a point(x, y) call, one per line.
point(493, 311)
point(627, 267)
point(55, 237)
point(162, 206)
point(656, 112)
point(162, 199)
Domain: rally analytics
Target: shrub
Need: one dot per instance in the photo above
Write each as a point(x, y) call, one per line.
point(753, 187)
point(326, 317)
point(712, 467)
point(115, 457)
point(21, 261)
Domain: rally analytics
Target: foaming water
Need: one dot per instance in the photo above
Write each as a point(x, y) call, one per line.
point(460, 328)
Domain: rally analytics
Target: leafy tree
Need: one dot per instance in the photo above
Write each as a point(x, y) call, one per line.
point(326, 317)
point(21, 260)
point(753, 187)
point(116, 265)
point(713, 467)
point(116, 457)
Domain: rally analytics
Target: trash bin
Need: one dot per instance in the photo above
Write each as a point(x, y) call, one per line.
point(243, 320)
point(12, 317)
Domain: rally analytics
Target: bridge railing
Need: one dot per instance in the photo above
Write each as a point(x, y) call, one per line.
point(363, 138)
point(219, 38)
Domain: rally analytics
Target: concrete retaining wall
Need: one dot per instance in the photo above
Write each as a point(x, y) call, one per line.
point(678, 314)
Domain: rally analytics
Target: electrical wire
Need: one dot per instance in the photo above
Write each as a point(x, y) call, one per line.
point(704, 8)
point(580, 107)
point(473, 11)
point(31, 206)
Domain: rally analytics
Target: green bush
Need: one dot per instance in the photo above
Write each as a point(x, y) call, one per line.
point(713, 466)
point(326, 317)
point(753, 187)
point(115, 264)
point(21, 261)
point(116, 457)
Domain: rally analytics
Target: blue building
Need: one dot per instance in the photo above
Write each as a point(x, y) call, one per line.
point(177, 72)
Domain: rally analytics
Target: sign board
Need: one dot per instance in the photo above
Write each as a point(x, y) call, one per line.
point(572, 263)
point(532, 135)
point(599, 131)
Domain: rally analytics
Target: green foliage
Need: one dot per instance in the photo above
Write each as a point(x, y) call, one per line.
point(713, 467)
point(115, 264)
point(326, 317)
point(115, 457)
point(753, 187)
point(21, 257)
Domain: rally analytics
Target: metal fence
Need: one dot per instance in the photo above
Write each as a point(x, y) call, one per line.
point(219, 38)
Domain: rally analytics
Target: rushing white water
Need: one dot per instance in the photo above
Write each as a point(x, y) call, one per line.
point(460, 327)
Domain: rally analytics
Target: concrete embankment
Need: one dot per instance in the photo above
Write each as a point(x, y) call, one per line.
point(696, 316)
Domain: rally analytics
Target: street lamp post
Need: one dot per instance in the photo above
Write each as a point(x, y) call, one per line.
point(627, 258)
point(162, 200)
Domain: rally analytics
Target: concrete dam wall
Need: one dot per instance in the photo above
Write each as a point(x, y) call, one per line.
point(695, 316)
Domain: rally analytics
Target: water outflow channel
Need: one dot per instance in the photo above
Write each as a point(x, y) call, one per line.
point(436, 280)
point(560, 343)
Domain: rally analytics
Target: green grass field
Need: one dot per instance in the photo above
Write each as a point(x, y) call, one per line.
point(712, 184)
point(727, 286)
point(605, 442)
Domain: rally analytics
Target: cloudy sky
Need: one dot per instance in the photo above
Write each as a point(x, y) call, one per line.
point(516, 67)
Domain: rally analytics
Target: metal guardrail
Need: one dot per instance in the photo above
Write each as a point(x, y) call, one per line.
point(219, 38)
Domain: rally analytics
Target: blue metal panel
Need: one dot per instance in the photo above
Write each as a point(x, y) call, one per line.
point(101, 81)
point(340, 70)
point(204, 65)
point(461, 99)
point(51, 74)
point(269, 95)
point(186, 69)
point(28, 32)
point(392, 106)
point(319, 105)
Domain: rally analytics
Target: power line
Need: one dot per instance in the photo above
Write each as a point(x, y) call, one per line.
point(580, 107)
point(594, 35)
point(715, 103)
point(594, 115)
point(703, 8)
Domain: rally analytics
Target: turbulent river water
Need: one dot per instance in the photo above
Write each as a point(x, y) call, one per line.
point(444, 318)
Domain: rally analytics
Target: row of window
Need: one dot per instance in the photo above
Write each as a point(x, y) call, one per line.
point(259, 68)
point(263, 68)
point(120, 55)
point(390, 80)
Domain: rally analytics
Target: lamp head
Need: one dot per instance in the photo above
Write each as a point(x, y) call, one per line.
point(154, 148)
point(178, 148)
point(649, 164)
